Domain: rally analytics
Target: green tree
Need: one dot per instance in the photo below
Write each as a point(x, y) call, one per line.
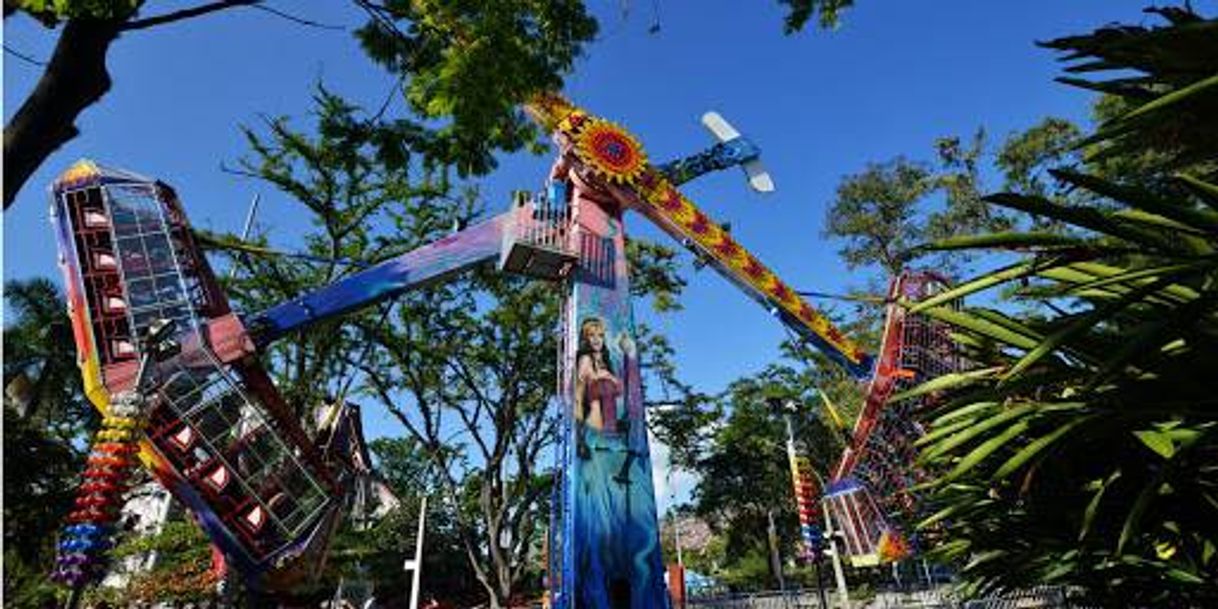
point(1177, 132)
point(875, 211)
point(468, 63)
point(449, 367)
point(368, 188)
point(403, 465)
point(376, 555)
point(373, 550)
point(41, 379)
point(45, 412)
point(39, 486)
point(475, 64)
point(886, 211)
point(181, 571)
point(827, 12)
point(737, 446)
point(1081, 450)
point(459, 364)
point(406, 468)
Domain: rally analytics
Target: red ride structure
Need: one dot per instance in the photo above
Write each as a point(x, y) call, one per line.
point(214, 430)
point(871, 488)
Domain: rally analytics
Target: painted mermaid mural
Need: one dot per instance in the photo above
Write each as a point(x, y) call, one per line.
point(597, 388)
point(613, 548)
point(616, 543)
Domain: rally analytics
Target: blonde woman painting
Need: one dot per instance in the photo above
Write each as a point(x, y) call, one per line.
point(596, 386)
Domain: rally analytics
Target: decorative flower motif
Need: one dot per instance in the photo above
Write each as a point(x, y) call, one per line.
point(610, 151)
point(892, 546)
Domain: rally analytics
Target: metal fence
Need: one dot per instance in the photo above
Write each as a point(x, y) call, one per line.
point(1045, 597)
point(792, 599)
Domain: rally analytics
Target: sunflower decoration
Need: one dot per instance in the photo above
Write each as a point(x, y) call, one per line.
point(610, 151)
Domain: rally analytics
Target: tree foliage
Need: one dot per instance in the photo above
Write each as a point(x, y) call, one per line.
point(181, 571)
point(375, 556)
point(1081, 450)
point(41, 379)
point(372, 551)
point(364, 187)
point(52, 12)
point(474, 63)
point(827, 13)
point(403, 465)
point(466, 64)
point(45, 411)
point(39, 486)
point(370, 202)
point(466, 382)
point(884, 213)
point(465, 365)
point(736, 444)
point(1171, 92)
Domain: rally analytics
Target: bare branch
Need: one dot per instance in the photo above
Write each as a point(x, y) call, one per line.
point(224, 168)
point(383, 16)
point(471, 425)
point(458, 365)
point(451, 486)
point(187, 13)
point(300, 20)
point(393, 94)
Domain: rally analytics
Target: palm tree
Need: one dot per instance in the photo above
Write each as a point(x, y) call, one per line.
point(41, 379)
point(1082, 448)
point(45, 416)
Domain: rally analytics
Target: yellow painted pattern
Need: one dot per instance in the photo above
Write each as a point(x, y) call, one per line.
point(549, 110)
point(832, 410)
point(81, 171)
point(95, 390)
point(718, 243)
point(120, 423)
point(663, 202)
point(116, 435)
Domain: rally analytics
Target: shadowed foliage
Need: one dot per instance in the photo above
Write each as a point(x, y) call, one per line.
point(1082, 450)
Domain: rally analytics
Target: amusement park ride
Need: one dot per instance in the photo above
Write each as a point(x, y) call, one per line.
point(871, 487)
point(198, 409)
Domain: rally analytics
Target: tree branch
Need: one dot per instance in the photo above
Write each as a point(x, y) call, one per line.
point(432, 446)
point(74, 79)
point(300, 20)
point(187, 13)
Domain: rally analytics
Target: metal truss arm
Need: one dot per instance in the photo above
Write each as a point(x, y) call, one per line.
point(613, 160)
point(681, 219)
point(414, 269)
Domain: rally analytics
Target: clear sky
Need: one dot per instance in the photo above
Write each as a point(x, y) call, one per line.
point(821, 104)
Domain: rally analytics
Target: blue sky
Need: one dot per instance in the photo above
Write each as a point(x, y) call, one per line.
point(891, 79)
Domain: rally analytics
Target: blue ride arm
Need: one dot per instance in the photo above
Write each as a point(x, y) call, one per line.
point(720, 156)
point(414, 269)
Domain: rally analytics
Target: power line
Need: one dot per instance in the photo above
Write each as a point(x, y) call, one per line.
point(846, 297)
